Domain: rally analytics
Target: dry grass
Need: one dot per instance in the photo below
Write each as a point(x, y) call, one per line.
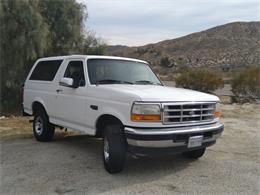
point(20, 127)
point(15, 127)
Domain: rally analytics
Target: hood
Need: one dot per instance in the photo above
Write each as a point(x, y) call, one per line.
point(158, 93)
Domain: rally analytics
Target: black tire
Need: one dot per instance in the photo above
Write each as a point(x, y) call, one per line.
point(43, 130)
point(114, 148)
point(194, 153)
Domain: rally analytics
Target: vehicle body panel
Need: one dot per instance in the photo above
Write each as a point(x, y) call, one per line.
point(73, 107)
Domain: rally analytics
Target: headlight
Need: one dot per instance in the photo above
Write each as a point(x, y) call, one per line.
point(146, 112)
point(217, 112)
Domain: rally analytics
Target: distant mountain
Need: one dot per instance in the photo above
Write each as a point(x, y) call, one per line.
point(231, 45)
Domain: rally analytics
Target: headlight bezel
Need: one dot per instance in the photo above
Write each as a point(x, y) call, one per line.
point(140, 112)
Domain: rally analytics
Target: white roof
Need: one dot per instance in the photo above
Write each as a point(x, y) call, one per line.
point(91, 57)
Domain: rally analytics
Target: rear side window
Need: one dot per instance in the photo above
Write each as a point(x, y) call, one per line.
point(45, 70)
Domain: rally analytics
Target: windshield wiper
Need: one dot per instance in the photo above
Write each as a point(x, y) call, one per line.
point(112, 81)
point(146, 82)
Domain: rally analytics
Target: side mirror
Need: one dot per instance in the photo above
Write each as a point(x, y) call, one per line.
point(67, 82)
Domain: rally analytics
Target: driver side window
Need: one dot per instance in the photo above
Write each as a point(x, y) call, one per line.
point(75, 70)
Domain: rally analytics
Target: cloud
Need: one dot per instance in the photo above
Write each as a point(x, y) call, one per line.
point(138, 22)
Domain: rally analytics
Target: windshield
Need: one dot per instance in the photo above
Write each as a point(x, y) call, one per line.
point(110, 71)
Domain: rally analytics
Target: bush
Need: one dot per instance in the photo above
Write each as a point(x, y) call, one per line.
point(200, 79)
point(165, 62)
point(246, 85)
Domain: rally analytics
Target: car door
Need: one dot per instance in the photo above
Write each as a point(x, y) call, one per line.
point(71, 101)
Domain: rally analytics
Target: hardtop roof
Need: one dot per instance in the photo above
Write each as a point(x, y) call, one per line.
point(89, 57)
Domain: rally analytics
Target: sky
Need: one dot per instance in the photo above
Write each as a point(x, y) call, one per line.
point(140, 22)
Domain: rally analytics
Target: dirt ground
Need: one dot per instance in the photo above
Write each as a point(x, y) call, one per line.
point(72, 163)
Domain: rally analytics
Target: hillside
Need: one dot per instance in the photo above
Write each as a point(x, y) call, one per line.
point(230, 45)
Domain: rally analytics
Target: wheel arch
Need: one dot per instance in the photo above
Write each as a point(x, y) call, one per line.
point(36, 105)
point(104, 120)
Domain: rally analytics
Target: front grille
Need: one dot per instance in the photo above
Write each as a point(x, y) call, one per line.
point(188, 113)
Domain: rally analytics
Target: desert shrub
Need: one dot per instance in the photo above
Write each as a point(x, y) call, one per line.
point(204, 80)
point(165, 62)
point(246, 85)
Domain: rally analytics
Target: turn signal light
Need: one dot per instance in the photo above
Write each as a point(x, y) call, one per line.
point(149, 117)
point(217, 114)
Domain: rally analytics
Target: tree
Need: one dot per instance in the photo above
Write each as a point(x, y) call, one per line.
point(34, 28)
point(93, 45)
point(23, 35)
point(246, 85)
point(65, 20)
point(200, 79)
point(68, 34)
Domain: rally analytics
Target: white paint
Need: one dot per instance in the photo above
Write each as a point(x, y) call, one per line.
point(71, 107)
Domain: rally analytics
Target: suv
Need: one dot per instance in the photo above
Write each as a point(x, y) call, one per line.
point(122, 101)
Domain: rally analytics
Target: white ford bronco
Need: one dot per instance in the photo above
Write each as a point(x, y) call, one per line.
point(122, 101)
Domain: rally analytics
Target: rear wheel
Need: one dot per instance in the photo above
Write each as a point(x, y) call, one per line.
point(114, 148)
point(195, 153)
point(43, 130)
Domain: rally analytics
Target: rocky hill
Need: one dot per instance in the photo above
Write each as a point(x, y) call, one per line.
point(231, 45)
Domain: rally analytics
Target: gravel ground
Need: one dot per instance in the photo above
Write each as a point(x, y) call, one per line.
point(73, 165)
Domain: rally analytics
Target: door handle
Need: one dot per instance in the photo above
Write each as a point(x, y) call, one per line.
point(59, 90)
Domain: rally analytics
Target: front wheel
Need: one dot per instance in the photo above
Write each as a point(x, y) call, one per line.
point(194, 153)
point(114, 149)
point(43, 130)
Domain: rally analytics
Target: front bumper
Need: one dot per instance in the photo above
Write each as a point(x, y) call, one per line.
point(161, 141)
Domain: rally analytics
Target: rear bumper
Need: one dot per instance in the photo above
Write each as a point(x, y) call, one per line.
point(161, 141)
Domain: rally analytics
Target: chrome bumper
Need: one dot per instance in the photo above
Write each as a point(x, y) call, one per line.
point(172, 137)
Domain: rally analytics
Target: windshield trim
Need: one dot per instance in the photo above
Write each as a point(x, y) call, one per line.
point(137, 61)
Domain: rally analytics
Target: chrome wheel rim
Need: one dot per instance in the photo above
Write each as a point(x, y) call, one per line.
point(106, 149)
point(38, 126)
